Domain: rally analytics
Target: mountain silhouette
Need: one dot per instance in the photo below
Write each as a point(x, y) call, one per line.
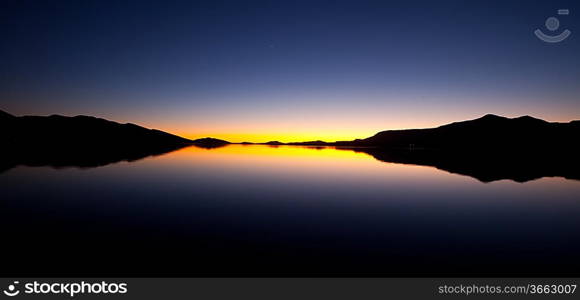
point(489, 132)
point(488, 148)
point(80, 141)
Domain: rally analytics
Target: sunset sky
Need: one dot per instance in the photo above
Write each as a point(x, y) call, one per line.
point(287, 70)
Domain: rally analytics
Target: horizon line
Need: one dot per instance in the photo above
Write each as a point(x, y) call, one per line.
point(288, 137)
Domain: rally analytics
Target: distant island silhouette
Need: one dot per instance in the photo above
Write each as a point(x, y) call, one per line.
point(488, 148)
point(209, 143)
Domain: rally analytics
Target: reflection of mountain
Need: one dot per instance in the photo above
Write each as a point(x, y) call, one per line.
point(486, 167)
point(78, 141)
point(489, 148)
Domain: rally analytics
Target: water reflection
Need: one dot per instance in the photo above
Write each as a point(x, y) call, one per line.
point(286, 211)
point(485, 167)
point(81, 157)
point(520, 166)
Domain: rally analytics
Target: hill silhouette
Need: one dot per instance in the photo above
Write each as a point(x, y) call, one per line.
point(488, 148)
point(489, 132)
point(80, 141)
point(209, 143)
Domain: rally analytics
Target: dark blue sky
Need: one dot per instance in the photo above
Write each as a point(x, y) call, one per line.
point(295, 69)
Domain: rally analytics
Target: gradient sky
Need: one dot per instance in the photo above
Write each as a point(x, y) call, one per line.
point(287, 70)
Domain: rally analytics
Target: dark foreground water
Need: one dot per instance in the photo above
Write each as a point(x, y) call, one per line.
point(282, 211)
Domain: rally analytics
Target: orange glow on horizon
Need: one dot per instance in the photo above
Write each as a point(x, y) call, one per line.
point(277, 151)
point(322, 132)
point(325, 128)
point(284, 137)
point(319, 162)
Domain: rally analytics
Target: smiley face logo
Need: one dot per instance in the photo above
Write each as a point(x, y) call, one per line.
point(12, 291)
point(553, 24)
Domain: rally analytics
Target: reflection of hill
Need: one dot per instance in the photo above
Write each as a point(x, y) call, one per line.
point(78, 157)
point(487, 166)
point(489, 148)
point(78, 141)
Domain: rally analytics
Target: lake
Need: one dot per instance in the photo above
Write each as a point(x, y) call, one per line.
point(256, 210)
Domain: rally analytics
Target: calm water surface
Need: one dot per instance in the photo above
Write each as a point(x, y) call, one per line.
point(279, 211)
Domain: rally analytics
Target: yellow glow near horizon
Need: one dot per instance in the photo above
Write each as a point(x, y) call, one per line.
point(328, 132)
point(263, 150)
point(282, 137)
point(318, 162)
point(325, 127)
